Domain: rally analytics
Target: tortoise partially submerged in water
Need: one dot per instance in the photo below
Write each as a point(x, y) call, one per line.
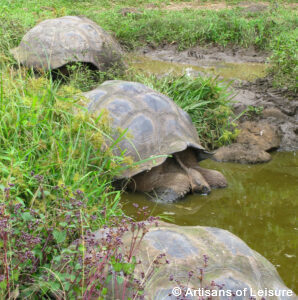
point(159, 128)
point(54, 43)
point(200, 259)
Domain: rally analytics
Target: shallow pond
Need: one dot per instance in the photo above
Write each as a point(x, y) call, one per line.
point(259, 206)
point(227, 70)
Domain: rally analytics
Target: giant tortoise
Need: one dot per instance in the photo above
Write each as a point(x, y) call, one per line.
point(202, 260)
point(54, 43)
point(163, 139)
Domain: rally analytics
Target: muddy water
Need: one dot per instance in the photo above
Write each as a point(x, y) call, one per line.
point(259, 206)
point(227, 70)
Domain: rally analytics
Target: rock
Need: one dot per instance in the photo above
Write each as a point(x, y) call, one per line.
point(230, 261)
point(275, 113)
point(261, 134)
point(244, 99)
point(241, 153)
point(289, 136)
point(280, 108)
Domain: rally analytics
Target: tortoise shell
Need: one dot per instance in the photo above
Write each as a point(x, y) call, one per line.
point(231, 263)
point(157, 126)
point(56, 42)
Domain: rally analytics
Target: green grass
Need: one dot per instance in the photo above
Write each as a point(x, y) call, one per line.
point(188, 28)
point(263, 30)
point(51, 153)
point(284, 60)
point(185, 28)
point(40, 133)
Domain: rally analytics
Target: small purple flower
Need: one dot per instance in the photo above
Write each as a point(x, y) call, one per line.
point(190, 274)
point(79, 192)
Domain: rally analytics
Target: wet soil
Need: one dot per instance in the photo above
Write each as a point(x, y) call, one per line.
point(198, 55)
point(279, 108)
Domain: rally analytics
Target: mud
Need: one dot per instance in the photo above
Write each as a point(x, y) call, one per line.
point(279, 108)
point(197, 56)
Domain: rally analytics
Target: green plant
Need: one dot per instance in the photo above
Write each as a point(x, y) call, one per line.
point(284, 61)
point(55, 254)
point(44, 131)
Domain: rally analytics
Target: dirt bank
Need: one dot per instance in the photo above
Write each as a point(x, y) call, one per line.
point(247, 6)
point(198, 55)
point(279, 108)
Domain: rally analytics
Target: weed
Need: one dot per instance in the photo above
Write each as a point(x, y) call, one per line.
point(203, 290)
point(37, 261)
point(40, 133)
point(284, 61)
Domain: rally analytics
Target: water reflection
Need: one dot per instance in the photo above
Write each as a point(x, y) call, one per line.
point(243, 71)
point(259, 206)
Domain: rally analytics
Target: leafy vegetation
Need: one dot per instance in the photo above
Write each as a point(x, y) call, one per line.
point(38, 263)
point(55, 178)
point(40, 133)
point(188, 28)
point(284, 60)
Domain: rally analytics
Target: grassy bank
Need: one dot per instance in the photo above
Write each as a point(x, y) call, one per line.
point(40, 134)
point(150, 24)
point(55, 177)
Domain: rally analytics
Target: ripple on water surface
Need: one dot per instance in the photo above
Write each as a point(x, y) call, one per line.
point(259, 206)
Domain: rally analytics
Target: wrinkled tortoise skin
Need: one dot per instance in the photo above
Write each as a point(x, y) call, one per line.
point(55, 42)
point(157, 126)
